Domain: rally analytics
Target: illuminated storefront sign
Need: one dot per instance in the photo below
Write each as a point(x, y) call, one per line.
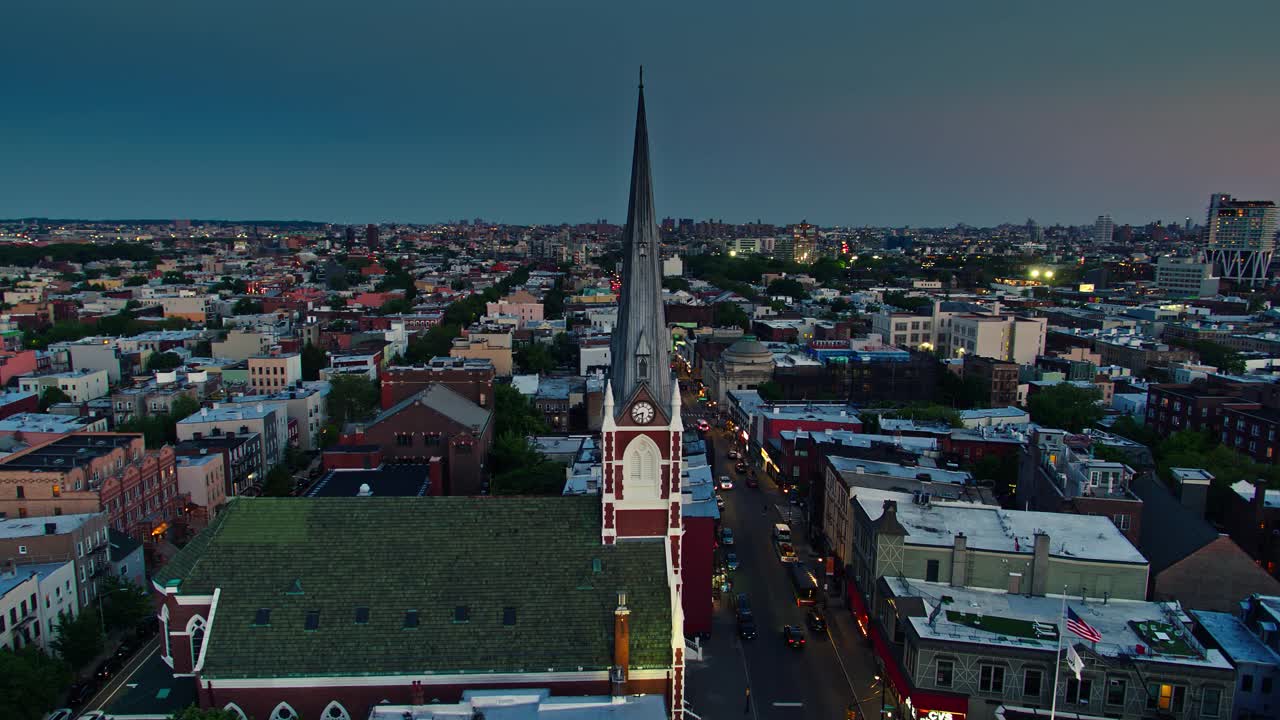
point(940, 715)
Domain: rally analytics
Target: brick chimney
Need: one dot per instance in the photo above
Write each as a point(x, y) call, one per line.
point(1040, 565)
point(960, 561)
point(621, 646)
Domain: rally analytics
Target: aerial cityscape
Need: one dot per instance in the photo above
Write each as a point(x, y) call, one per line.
point(465, 433)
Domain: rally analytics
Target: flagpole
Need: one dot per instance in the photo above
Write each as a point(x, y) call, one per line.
point(1057, 658)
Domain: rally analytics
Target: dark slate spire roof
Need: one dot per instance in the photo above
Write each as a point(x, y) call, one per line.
point(640, 340)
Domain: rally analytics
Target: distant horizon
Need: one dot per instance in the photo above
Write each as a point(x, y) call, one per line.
point(847, 114)
point(1195, 220)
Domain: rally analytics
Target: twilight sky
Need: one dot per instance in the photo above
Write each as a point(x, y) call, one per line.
point(916, 112)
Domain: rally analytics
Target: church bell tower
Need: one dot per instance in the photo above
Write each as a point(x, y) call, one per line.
point(642, 428)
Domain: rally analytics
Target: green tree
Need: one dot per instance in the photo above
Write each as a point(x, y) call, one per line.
point(675, 283)
point(314, 360)
point(564, 350)
point(534, 357)
point(79, 640)
point(174, 277)
point(246, 306)
point(192, 712)
point(52, 395)
point(1066, 406)
point(279, 482)
point(351, 398)
point(928, 414)
point(135, 280)
point(729, 314)
point(163, 361)
point(124, 604)
point(770, 391)
point(906, 302)
point(553, 301)
point(1218, 355)
point(31, 682)
point(1127, 427)
point(519, 469)
point(788, 287)
point(514, 414)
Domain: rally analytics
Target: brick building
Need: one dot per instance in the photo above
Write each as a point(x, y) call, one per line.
point(241, 454)
point(1251, 430)
point(436, 422)
point(1059, 474)
point(94, 472)
point(470, 377)
point(998, 378)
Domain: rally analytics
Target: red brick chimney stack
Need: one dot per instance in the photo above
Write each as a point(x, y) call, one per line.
point(621, 646)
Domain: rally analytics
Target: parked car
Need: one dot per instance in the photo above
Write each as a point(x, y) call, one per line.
point(725, 483)
point(719, 502)
point(793, 636)
point(817, 622)
point(731, 560)
point(81, 692)
point(726, 536)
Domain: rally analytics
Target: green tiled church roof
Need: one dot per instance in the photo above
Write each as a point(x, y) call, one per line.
point(537, 586)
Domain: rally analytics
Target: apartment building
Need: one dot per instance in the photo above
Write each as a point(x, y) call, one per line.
point(32, 599)
point(492, 344)
point(273, 373)
point(79, 538)
point(242, 345)
point(271, 422)
point(94, 472)
point(1059, 474)
point(80, 386)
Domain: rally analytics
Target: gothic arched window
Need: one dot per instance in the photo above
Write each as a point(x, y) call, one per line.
point(641, 463)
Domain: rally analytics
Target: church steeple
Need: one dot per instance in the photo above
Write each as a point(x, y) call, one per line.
point(640, 340)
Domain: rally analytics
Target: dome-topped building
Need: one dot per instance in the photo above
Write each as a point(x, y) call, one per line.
point(742, 366)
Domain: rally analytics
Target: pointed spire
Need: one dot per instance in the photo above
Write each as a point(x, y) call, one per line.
point(641, 339)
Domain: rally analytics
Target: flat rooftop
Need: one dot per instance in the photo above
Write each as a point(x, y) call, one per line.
point(989, 617)
point(993, 529)
point(32, 526)
point(44, 423)
point(389, 480)
point(68, 452)
point(1236, 640)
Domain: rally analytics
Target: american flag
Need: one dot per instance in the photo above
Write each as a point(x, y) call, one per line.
point(1082, 628)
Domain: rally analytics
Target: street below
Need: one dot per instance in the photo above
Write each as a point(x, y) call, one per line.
point(833, 671)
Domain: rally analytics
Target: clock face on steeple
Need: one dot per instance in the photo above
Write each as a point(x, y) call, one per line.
point(642, 412)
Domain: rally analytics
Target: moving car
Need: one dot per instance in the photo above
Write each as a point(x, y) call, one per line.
point(719, 502)
point(752, 482)
point(747, 627)
point(725, 483)
point(735, 455)
point(817, 622)
point(740, 467)
point(726, 536)
point(703, 425)
point(731, 560)
point(793, 636)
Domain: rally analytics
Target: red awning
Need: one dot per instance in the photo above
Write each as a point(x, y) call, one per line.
point(926, 701)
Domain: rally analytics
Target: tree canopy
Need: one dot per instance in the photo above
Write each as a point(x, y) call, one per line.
point(163, 361)
point(31, 682)
point(729, 314)
point(124, 604)
point(789, 288)
point(1066, 406)
point(79, 639)
point(351, 398)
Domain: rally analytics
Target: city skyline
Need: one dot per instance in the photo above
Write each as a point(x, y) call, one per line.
point(860, 116)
